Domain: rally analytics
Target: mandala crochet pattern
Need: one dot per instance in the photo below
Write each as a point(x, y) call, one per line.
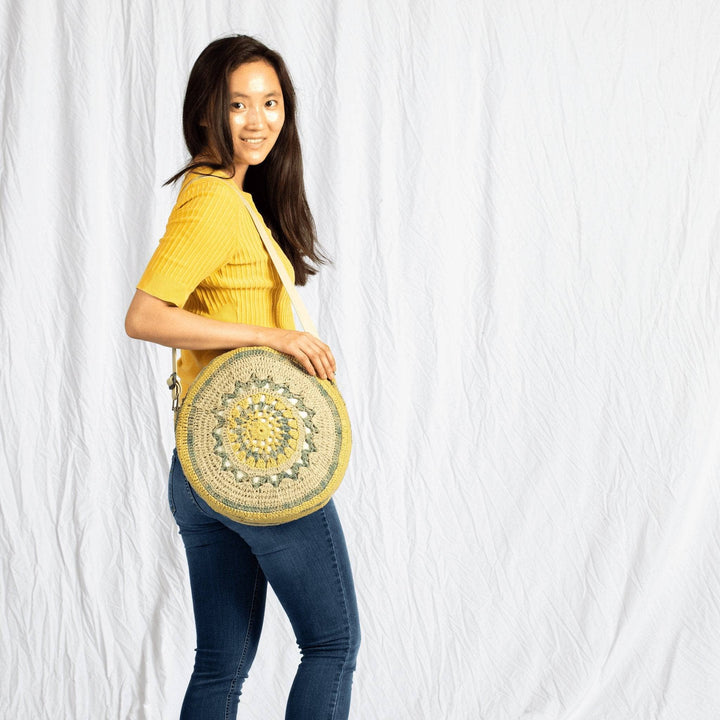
point(261, 426)
point(260, 440)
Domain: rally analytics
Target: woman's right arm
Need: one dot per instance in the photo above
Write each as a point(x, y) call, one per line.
point(150, 318)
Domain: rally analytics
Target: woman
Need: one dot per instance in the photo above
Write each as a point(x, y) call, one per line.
point(211, 287)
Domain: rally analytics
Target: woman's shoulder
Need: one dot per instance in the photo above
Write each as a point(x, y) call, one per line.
point(205, 186)
point(210, 199)
point(206, 179)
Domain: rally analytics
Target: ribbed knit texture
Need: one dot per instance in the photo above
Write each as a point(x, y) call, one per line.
point(211, 261)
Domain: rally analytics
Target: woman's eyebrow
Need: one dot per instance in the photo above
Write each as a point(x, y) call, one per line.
point(242, 95)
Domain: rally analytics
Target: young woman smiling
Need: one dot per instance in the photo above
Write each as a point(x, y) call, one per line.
point(210, 287)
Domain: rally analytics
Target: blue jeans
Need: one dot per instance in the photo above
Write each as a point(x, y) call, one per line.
point(307, 565)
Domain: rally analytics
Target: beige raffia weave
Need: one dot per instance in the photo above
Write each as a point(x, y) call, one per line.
point(260, 440)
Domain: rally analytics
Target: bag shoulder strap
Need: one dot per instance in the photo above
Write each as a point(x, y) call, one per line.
point(298, 304)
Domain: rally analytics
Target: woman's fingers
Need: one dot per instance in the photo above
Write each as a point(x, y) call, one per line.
point(305, 361)
point(313, 354)
point(321, 359)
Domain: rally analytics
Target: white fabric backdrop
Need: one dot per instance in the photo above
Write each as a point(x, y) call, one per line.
point(521, 198)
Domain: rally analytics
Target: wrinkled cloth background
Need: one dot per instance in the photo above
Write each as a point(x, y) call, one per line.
point(521, 200)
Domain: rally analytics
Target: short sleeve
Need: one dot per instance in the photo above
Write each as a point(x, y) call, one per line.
point(201, 236)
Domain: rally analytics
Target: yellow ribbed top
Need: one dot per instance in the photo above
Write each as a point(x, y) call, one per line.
point(211, 261)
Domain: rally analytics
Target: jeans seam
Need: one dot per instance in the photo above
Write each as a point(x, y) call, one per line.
point(171, 495)
point(193, 499)
point(241, 662)
point(336, 566)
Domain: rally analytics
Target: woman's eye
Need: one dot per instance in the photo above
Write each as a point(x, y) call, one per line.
point(271, 103)
point(237, 106)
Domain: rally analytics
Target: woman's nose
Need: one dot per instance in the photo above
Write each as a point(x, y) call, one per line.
point(255, 116)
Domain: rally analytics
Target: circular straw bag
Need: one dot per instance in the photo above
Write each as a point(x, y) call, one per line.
point(259, 439)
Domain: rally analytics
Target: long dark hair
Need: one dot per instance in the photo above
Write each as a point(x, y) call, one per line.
point(276, 184)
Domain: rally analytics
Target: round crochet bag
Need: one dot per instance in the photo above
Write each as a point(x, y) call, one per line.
point(259, 439)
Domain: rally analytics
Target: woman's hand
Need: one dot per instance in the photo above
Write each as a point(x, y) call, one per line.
point(313, 354)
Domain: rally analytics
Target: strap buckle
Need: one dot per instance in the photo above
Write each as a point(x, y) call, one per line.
point(175, 386)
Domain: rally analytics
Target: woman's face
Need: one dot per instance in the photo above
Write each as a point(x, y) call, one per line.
point(256, 113)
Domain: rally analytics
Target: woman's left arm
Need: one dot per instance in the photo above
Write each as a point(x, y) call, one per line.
point(155, 320)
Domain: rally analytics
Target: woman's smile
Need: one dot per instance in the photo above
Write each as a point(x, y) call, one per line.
point(256, 113)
